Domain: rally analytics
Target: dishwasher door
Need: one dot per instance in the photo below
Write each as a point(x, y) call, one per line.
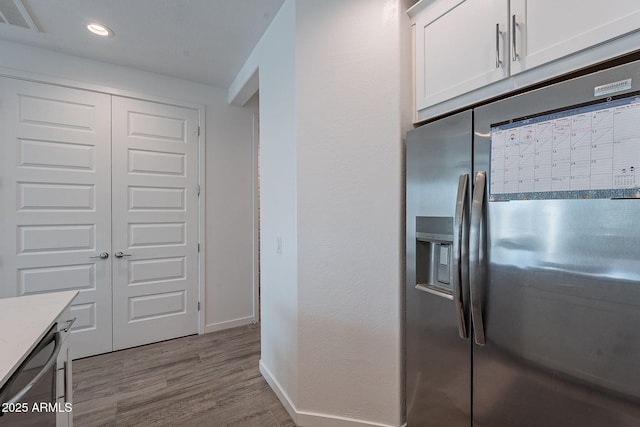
point(28, 398)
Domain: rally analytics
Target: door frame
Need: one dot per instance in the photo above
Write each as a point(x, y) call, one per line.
point(72, 84)
point(255, 193)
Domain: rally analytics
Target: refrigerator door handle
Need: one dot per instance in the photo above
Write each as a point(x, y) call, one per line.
point(460, 260)
point(476, 257)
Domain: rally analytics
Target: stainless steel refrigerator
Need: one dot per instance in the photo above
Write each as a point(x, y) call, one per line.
point(523, 259)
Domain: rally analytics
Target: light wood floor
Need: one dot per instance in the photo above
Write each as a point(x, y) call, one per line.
point(207, 380)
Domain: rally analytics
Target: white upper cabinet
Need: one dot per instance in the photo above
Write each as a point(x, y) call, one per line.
point(460, 45)
point(467, 51)
point(546, 30)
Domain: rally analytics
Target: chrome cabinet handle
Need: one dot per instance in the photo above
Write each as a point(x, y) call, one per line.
point(460, 260)
point(121, 254)
point(103, 255)
point(514, 50)
point(476, 257)
point(498, 33)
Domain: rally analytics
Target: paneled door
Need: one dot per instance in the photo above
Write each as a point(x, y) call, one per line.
point(155, 220)
point(99, 194)
point(55, 187)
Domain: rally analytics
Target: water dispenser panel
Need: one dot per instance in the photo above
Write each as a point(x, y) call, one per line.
point(434, 242)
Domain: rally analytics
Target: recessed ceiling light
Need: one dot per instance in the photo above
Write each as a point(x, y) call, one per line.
point(99, 29)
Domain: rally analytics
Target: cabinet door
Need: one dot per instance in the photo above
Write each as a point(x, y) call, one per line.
point(460, 46)
point(64, 381)
point(546, 30)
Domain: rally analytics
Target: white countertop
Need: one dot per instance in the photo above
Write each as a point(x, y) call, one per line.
point(24, 322)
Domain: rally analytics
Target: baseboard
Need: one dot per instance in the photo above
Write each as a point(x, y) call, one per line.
point(310, 419)
point(214, 327)
point(282, 396)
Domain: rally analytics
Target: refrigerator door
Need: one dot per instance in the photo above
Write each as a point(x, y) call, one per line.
point(560, 294)
point(438, 360)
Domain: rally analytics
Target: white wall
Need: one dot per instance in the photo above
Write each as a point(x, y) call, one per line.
point(278, 203)
point(334, 81)
point(229, 240)
point(230, 208)
point(349, 146)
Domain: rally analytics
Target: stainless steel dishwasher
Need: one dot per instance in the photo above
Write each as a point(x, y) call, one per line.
point(29, 397)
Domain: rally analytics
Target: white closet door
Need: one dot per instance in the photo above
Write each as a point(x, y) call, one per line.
point(155, 222)
point(55, 184)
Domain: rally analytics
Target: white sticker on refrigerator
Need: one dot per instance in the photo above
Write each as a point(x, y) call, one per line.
point(590, 151)
point(614, 87)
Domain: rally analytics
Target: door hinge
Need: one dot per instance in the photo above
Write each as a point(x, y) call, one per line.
point(198, 130)
point(198, 247)
point(198, 190)
point(198, 305)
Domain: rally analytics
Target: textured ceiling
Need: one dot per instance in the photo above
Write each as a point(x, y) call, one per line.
point(205, 41)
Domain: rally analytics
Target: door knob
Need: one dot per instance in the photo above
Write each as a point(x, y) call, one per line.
point(121, 254)
point(103, 255)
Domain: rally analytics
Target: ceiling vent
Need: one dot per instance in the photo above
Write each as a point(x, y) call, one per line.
point(13, 12)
